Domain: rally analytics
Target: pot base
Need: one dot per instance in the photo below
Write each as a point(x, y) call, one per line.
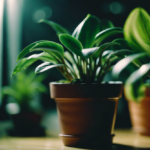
point(84, 142)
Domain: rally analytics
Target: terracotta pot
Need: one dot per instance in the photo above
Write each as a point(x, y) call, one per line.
point(140, 114)
point(86, 112)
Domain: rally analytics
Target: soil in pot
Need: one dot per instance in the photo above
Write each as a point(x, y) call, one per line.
point(86, 116)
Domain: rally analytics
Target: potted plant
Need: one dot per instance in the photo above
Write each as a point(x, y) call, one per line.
point(137, 87)
point(23, 106)
point(86, 106)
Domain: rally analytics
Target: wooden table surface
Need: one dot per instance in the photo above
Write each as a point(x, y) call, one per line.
point(123, 140)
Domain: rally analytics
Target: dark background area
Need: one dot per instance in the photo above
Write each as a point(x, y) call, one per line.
point(69, 13)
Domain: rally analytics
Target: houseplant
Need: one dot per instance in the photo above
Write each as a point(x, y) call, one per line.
point(86, 106)
point(137, 87)
point(23, 104)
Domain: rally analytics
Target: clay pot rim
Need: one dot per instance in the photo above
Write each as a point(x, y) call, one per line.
point(86, 90)
point(103, 83)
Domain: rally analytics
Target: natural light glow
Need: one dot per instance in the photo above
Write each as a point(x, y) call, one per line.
point(44, 13)
point(116, 7)
point(144, 69)
point(1, 42)
point(12, 108)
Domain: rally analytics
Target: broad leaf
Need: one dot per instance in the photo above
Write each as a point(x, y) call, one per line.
point(137, 30)
point(87, 30)
point(88, 52)
point(47, 46)
point(43, 57)
point(26, 62)
point(23, 64)
point(120, 53)
point(123, 44)
point(121, 65)
point(69, 57)
point(71, 44)
point(106, 53)
point(106, 33)
point(134, 87)
point(56, 27)
point(102, 48)
point(25, 51)
point(46, 66)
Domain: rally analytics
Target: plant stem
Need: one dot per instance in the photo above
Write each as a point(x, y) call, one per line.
point(66, 71)
point(62, 72)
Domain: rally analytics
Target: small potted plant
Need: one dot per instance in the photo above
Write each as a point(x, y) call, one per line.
point(86, 105)
point(137, 87)
point(23, 106)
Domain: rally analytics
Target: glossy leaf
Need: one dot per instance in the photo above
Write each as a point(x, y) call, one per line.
point(23, 64)
point(117, 55)
point(122, 64)
point(106, 33)
point(137, 30)
point(26, 62)
point(46, 66)
point(123, 44)
point(71, 44)
point(102, 48)
point(47, 46)
point(25, 51)
point(134, 86)
point(43, 57)
point(120, 53)
point(89, 51)
point(69, 57)
point(56, 27)
point(106, 53)
point(87, 30)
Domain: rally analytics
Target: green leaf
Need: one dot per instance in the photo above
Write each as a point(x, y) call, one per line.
point(87, 30)
point(26, 49)
point(134, 86)
point(43, 57)
point(123, 44)
point(120, 53)
point(121, 65)
point(71, 44)
point(56, 27)
point(26, 62)
point(106, 33)
point(46, 66)
point(23, 64)
point(137, 30)
point(102, 48)
point(111, 57)
point(47, 46)
point(88, 52)
point(106, 53)
point(105, 24)
point(69, 57)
